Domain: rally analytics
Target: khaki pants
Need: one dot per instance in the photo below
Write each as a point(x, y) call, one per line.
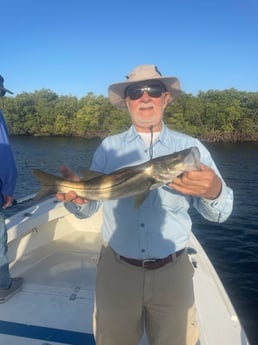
point(129, 298)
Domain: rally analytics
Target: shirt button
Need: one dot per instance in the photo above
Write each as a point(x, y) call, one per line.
point(143, 250)
point(142, 225)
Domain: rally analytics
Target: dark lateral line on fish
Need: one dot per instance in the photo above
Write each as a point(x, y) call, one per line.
point(92, 188)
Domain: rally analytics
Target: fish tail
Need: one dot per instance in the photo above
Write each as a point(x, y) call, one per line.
point(48, 181)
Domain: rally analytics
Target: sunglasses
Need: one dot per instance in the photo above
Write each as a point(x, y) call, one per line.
point(136, 92)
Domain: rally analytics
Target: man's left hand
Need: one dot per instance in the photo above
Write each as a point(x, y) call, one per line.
point(204, 183)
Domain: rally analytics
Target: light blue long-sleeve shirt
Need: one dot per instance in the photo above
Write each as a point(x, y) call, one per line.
point(161, 225)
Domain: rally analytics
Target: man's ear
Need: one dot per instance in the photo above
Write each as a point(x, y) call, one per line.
point(168, 98)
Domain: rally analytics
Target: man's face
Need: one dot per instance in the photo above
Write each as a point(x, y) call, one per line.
point(146, 103)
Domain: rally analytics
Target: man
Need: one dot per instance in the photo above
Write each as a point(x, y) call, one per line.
point(144, 277)
point(8, 175)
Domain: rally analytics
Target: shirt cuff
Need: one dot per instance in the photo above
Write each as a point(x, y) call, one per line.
point(220, 200)
point(82, 211)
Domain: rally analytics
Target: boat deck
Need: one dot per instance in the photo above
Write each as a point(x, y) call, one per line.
point(58, 280)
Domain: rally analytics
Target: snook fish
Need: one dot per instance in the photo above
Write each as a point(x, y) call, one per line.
point(129, 181)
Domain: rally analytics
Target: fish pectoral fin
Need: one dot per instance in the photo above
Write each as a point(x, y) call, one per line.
point(89, 174)
point(139, 199)
point(157, 185)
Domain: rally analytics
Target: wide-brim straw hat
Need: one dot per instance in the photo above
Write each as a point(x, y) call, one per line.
point(116, 92)
point(3, 90)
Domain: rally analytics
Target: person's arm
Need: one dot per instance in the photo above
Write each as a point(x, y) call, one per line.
point(219, 209)
point(212, 198)
point(8, 170)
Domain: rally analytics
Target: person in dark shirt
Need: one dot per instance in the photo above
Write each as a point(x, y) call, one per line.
point(8, 176)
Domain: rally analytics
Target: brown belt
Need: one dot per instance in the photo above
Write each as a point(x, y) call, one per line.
point(151, 264)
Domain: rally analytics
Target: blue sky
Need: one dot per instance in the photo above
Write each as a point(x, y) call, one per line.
point(80, 46)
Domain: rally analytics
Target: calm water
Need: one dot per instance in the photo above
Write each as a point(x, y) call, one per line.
point(232, 246)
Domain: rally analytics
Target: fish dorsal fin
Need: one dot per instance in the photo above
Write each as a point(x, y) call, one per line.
point(89, 174)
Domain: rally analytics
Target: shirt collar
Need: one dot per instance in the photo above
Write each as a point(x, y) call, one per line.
point(132, 135)
point(163, 137)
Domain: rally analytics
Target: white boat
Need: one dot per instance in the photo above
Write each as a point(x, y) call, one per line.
point(57, 255)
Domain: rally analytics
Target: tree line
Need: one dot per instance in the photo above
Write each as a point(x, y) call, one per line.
point(215, 116)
